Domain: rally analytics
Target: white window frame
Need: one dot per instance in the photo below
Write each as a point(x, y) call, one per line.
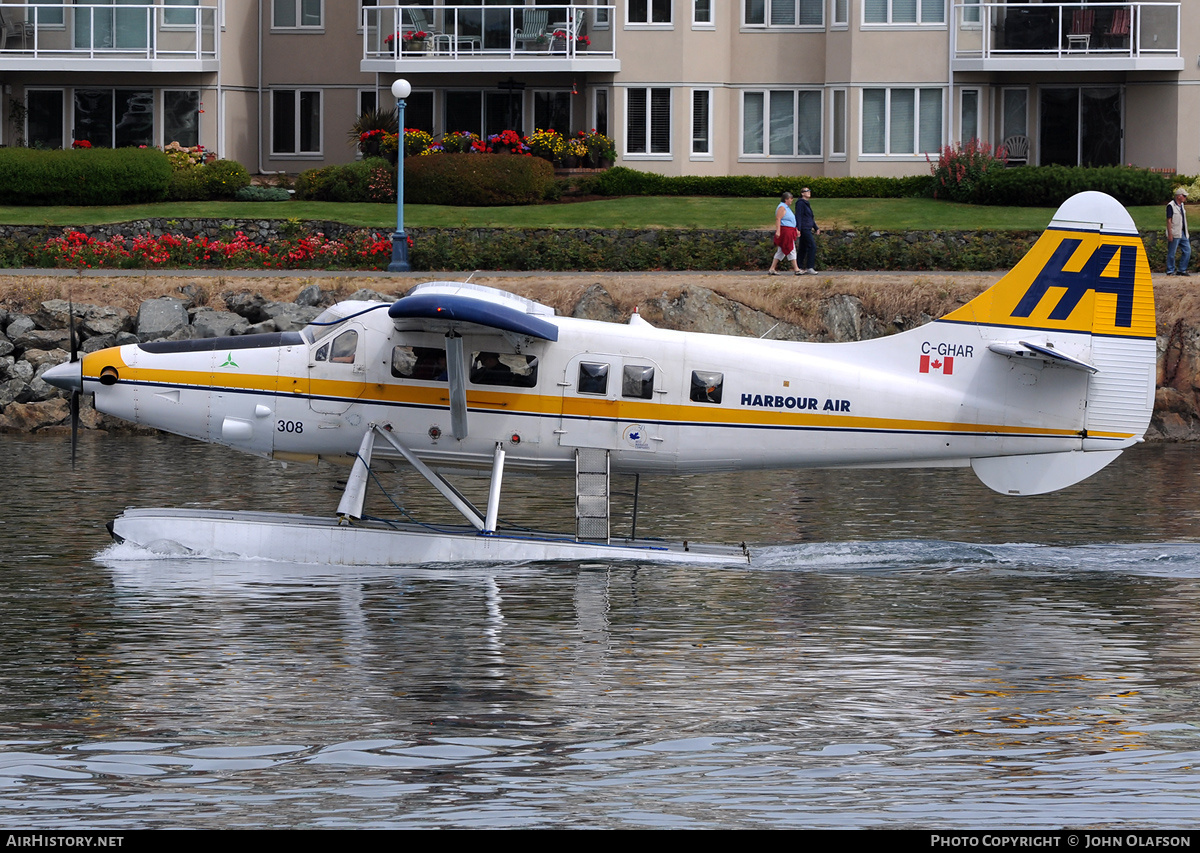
point(298, 152)
point(300, 26)
point(647, 94)
point(766, 24)
point(920, 22)
point(37, 12)
point(699, 23)
point(917, 154)
point(1006, 132)
point(160, 112)
point(963, 136)
point(839, 14)
point(650, 23)
point(707, 153)
point(768, 97)
point(834, 96)
point(371, 4)
point(178, 6)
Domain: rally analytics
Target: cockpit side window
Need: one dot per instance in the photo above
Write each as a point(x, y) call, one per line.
point(501, 368)
point(593, 378)
point(706, 386)
point(427, 364)
point(638, 381)
point(340, 350)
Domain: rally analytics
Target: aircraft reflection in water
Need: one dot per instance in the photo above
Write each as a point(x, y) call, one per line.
point(1037, 383)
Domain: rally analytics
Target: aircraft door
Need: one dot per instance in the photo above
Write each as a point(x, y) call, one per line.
point(337, 369)
point(609, 402)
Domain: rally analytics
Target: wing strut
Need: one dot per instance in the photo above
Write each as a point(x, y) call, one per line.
point(456, 374)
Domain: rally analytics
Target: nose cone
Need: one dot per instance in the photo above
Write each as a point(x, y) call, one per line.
point(68, 375)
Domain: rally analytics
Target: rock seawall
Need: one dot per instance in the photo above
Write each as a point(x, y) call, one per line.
point(34, 340)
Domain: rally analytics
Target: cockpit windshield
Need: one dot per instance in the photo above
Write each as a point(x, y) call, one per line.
point(325, 322)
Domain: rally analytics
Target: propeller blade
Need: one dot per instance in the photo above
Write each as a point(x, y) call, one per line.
point(74, 392)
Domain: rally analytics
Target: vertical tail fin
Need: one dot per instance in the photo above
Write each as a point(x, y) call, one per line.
point(1081, 298)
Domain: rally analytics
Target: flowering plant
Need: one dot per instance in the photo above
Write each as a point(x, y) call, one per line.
point(459, 142)
point(959, 170)
point(547, 144)
point(509, 140)
point(81, 143)
point(416, 35)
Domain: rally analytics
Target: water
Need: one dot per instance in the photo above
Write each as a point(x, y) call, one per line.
point(923, 653)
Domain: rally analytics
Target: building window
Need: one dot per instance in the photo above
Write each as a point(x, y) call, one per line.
point(904, 11)
point(649, 12)
point(841, 12)
point(901, 121)
point(294, 14)
point(368, 101)
point(970, 12)
point(784, 13)
point(600, 120)
point(47, 14)
point(295, 122)
point(648, 121)
point(1081, 126)
point(552, 111)
point(837, 140)
point(418, 111)
point(1014, 120)
point(781, 123)
point(968, 122)
point(44, 117)
point(181, 117)
point(701, 122)
point(702, 13)
point(185, 17)
point(114, 118)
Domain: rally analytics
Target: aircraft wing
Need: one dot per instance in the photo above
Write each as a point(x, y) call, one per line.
point(457, 312)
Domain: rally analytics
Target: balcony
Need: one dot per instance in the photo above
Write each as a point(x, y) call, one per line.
point(1066, 37)
point(504, 39)
point(83, 37)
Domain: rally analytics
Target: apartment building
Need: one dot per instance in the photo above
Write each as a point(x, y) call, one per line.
point(815, 87)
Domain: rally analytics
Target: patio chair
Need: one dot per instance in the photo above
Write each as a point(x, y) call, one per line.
point(11, 28)
point(1080, 36)
point(416, 14)
point(1016, 149)
point(1118, 27)
point(533, 27)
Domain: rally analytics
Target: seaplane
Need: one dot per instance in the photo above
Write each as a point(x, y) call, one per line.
point(1035, 384)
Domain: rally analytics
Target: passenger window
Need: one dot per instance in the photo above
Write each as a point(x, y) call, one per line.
point(638, 382)
point(494, 368)
point(706, 386)
point(593, 378)
point(427, 364)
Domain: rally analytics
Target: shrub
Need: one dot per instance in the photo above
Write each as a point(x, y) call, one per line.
point(372, 179)
point(252, 193)
point(1050, 186)
point(465, 179)
point(83, 176)
point(218, 179)
point(959, 170)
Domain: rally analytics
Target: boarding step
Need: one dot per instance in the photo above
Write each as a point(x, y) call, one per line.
point(591, 494)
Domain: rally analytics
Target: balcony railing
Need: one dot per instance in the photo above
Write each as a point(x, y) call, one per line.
point(1120, 33)
point(416, 33)
point(48, 35)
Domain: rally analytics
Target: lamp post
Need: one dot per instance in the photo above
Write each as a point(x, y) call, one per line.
point(401, 89)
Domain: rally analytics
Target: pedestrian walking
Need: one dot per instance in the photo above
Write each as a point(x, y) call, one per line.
point(785, 235)
point(808, 232)
point(1177, 234)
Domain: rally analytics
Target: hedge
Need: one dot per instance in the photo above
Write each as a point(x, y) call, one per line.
point(620, 181)
point(1050, 186)
point(220, 179)
point(91, 176)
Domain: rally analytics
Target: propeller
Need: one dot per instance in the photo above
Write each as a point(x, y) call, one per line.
point(75, 392)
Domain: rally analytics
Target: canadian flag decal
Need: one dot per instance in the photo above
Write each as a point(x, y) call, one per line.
point(943, 365)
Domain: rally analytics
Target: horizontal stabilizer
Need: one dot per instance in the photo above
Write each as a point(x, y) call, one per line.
point(1039, 473)
point(1025, 349)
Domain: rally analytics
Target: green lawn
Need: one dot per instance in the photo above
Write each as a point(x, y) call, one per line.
point(634, 212)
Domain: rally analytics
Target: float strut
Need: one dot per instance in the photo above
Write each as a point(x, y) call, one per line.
point(435, 480)
point(493, 504)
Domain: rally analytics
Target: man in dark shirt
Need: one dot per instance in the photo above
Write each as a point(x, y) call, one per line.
point(808, 230)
